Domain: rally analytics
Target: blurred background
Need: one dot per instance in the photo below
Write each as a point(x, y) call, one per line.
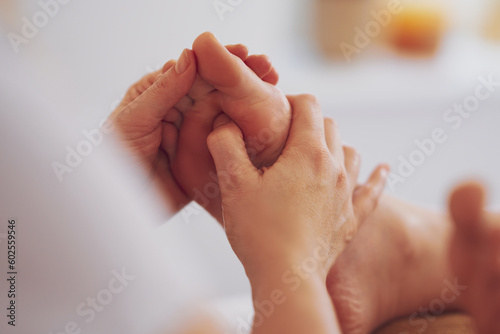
point(391, 73)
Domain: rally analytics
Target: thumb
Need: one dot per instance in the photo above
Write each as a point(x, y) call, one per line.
point(234, 168)
point(168, 89)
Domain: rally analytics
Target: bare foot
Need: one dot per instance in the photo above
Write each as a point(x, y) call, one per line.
point(475, 255)
point(148, 119)
point(243, 88)
point(395, 266)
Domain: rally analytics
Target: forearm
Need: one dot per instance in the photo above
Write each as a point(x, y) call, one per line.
point(285, 302)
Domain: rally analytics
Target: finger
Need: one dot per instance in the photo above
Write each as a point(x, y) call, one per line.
point(168, 65)
point(222, 119)
point(333, 140)
point(239, 50)
point(352, 166)
point(366, 196)
point(228, 150)
point(153, 105)
point(136, 90)
point(307, 123)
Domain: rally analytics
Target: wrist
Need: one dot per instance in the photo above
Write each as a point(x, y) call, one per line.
point(277, 299)
point(285, 273)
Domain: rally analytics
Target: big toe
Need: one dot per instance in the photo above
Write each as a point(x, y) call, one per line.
point(223, 70)
point(466, 204)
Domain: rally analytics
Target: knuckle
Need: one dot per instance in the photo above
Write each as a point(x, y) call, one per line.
point(341, 178)
point(320, 160)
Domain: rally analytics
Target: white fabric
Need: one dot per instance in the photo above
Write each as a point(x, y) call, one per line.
point(74, 238)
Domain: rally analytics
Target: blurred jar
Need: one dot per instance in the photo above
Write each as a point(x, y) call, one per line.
point(337, 23)
point(419, 27)
point(492, 26)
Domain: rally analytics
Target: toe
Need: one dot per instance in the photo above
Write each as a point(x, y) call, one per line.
point(260, 64)
point(239, 50)
point(174, 117)
point(226, 72)
point(466, 204)
point(263, 68)
point(272, 78)
point(170, 137)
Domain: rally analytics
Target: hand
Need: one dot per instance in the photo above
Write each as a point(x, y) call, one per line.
point(152, 112)
point(277, 218)
point(244, 89)
point(308, 198)
point(147, 122)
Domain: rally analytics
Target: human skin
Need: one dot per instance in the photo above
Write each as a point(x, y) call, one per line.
point(395, 266)
point(226, 84)
point(412, 261)
point(148, 122)
point(354, 205)
point(276, 217)
point(475, 255)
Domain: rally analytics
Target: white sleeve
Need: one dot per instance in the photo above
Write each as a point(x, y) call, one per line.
point(84, 257)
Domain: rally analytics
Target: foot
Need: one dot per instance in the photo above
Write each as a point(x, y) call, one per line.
point(395, 266)
point(475, 255)
point(148, 119)
point(243, 88)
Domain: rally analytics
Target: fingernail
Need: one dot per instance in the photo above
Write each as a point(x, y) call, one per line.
point(182, 63)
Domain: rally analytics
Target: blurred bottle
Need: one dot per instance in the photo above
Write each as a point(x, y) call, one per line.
point(418, 29)
point(338, 23)
point(492, 25)
point(345, 28)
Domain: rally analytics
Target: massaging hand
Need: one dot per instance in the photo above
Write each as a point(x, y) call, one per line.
point(148, 119)
point(287, 223)
point(308, 198)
